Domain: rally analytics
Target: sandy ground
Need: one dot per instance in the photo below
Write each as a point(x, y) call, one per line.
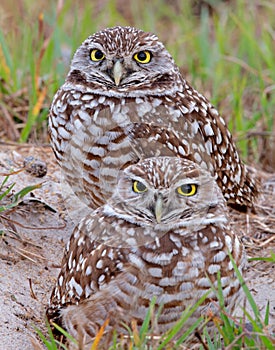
point(32, 240)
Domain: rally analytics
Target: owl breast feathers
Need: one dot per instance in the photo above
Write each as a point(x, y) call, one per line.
point(124, 100)
point(164, 233)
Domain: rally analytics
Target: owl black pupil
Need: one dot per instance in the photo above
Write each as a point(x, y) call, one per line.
point(140, 186)
point(98, 55)
point(142, 56)
point(186, 188)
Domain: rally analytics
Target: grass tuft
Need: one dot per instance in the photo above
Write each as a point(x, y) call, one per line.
point(230, 333)
point(10, 201)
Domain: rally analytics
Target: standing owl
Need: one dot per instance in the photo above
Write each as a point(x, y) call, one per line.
point(164, 233)
point(124, 100)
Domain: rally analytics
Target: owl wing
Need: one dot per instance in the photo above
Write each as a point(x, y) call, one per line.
point(88, 263)
point(209, 129)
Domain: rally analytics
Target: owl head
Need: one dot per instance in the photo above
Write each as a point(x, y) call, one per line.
point(167, 193)
point(123, 58)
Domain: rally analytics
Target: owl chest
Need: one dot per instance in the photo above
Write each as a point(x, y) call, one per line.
point(151, 126)
point(171, 278)
point(173, 271)
point(164, 124)
point(108, 112)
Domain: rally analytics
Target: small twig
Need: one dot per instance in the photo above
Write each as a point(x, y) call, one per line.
point(33, 228)
point(33, 254)
point(235, 341)
point(16, 236)
point(265, 227)
point(24, 255)
point(12, 172)
point(272, 238)
point(31, 289)
point(25, 145)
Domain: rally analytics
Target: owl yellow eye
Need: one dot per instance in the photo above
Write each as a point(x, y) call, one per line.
point(139, 187)
point(187, 190)
point(97, 55)
point(143, 57)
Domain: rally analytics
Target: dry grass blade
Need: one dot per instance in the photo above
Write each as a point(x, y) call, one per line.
point(15, 235)
point(31, 227)
point(33, 295)
point(99, 335)
point(38, 256)
point(8, 124)
point(24, 255)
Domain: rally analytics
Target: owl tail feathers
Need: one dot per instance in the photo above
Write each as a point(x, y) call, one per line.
point(248, 194)
point(93, 321)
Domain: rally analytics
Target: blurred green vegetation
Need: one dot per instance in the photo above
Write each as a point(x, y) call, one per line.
point(225, 49)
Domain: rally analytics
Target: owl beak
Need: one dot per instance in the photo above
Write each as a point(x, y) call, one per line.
point(117, 72)
point(158, 208)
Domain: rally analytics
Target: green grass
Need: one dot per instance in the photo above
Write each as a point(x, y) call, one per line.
point(50, 342)
point(270, 258)
point(227, 53)
point(230, 333)
point(8, 200)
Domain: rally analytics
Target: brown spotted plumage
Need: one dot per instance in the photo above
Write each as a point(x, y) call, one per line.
point(124, 99)
point(163, 233)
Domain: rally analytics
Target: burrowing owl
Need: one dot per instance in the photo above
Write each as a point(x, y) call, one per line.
point(163, 233)
point(124, 99)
